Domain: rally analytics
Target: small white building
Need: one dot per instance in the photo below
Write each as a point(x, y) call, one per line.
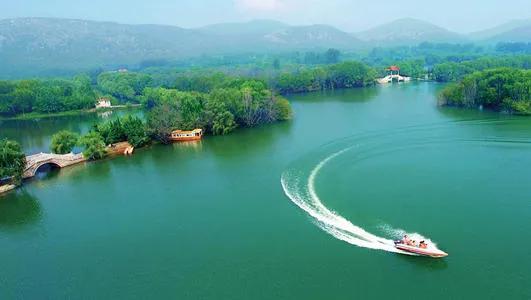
point(103, 103)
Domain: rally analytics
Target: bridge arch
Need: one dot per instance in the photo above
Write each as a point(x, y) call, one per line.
point(52, 164)
point(36, 161)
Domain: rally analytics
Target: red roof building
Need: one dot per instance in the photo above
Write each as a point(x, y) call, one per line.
point(393, 68)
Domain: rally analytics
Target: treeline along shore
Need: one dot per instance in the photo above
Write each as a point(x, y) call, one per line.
point(219, 103)
point(231, 103)
point(37, 97)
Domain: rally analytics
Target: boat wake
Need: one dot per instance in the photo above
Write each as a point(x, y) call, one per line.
point(301, 190)
point(298, 181)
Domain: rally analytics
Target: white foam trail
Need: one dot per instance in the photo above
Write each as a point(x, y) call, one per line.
point(327, 220)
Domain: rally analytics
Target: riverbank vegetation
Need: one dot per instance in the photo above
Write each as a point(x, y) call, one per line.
point(338, 76)
point(223, 106)
point(504, 89)
point(278, 74)
point(455, 71)
point(12, 161)
point(46, 96)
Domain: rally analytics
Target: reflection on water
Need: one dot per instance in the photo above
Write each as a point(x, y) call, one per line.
point(341, 95)
point(105, 114)
point(248, 141)
point(35, 135)
point(17, 209)
point(191, 145)
point(46, 171)
point(427, 263)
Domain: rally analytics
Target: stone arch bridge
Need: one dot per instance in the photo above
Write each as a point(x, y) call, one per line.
point(34, 162)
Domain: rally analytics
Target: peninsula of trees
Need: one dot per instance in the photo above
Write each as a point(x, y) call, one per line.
point(504, 89)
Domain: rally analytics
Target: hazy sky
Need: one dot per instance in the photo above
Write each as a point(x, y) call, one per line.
point(349, 15)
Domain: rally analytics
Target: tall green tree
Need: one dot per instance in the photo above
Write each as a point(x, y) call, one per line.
point(93, 145)
point(220, 119)
point(282, 109)
point(162, 120)
point(12, 160)
point(135, 131)
point(63, 142)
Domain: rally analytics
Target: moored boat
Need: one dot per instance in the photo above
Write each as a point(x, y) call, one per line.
point(429, 251)
point(185, 136)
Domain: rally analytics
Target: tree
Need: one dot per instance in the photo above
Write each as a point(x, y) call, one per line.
point(332, 56)
point(94, 146)
point(135, 131)
point(497, 89)
point(116, 132)
point(12, 160)
point(282, 109)
point(125, 86)
point(162, 120)
point(191, 107)
point(63, 142)
point(220, 119)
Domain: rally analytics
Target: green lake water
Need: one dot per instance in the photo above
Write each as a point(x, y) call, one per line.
point(212, 220)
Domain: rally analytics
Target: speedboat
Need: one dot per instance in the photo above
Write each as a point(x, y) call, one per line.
point(436, 253)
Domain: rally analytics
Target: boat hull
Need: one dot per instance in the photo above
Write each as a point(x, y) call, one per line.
point(186, 139)
point(435, 253)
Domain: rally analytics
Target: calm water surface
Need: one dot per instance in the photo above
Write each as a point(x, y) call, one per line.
point(212, 221)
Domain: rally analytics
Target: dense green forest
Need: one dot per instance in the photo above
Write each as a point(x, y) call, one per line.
point(504, 89)
point(342, 75)
point(452, 71)
point(221, 108)
point(46, 96)
point(334, 76)
point(282, 74)
point(81, 92)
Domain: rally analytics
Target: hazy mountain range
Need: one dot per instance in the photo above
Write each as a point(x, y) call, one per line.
point(41, 45)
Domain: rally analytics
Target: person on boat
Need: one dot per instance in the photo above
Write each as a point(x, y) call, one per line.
point(406, 240)
point(413, 243)
point(423, 245)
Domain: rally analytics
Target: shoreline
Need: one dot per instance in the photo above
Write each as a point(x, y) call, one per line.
point(32, 116)
point(4, 189)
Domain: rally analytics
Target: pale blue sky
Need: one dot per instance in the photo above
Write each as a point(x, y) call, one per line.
point(353, 15)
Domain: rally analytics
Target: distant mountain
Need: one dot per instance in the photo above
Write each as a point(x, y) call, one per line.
point(41, 46)
point(47, 46)
point(35, 45)
point(273, 35)
point(255, 28)
point(520, 34)
point(408, 32)
point(499, 31)
point(313, 36)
